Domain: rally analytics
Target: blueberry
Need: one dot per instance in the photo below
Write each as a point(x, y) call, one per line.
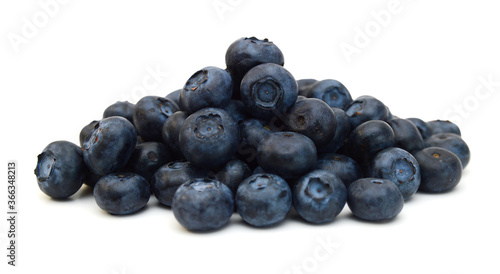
point(170, 131)
point(287, 154)
point(334, 93)
point(398, 166)
point(319, 196)
point(208, 87)
point(342, 131)
point(263, 199)
point(110, 145)
point(453, 143)
point(246, 53)
point(441, 169)
point(122, 109)
point(233, 173)
point(92, 179)
point(374, 199)
point(122, 193)
point(407, 135)
point(312, 118)
point(252, 132)
point(304, 86)
point(439, 126)
point(366, 108)
point(422, 127)
point(175, 97)
point(169, 177)
point(150, 113)
point(258, 170)
point(209, 138)
point(268, 90)
point(60, 170)
point(86, 131)
point(236, 109)
point(368, 139)
point(149, 157)
point(203, 204)
point(342, 166)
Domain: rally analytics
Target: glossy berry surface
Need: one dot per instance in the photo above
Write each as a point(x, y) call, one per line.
point(441, 169)
point(375, 200)
point(209, 138)
point(263, 199)
point(60, 170)
point(398, 166)
point(203, 204)
point(319, 196)
point(109, 147)
point(122, 193)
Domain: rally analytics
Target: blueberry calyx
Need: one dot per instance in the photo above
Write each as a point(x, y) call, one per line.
point(317, 189)
point(197, 80)
point(403, 168)
point(209, 126)
point(46, 162)
point(267, 93)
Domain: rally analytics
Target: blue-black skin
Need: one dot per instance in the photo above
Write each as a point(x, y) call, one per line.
point(407, 135)
point(150, 113)
point(423, 128)
point(287, 154)
point(440, 126)
point(109, 147)
point(203, 205)
point(237, 109)
point(441, 169)
point(340, 165)
point(263, 199)
point(86, 130)
point(374, 199)
point(366, 108)
point(398, 166)
point(313, 118)
point(122, 193)
point(334, 93)
point(169, 177)
point(175, 97)
point(453, 143)
point(304, 86)
point(233, 173)
point(209, 138)
point(148, 157)
point(268, 90)
point(170, 131)
point(342, 131)
point(258, 170)
point(246, 53)
point(123, 109)
point(368, 139)
point(92, 179)
point(319, 196)
point(60, 170)
point(208, 87)
point(252, 132)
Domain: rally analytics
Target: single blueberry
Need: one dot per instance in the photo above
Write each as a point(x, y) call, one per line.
point(422, 127)
point(233, 173)
point(366, 108)
point(209, 138)
point(150, 113)
point(334, 93)
point(86, 131)
point(374, 199)
point(170, 131)
point(122, 193)
point(263, 199)
point(441, 169)
point(453, 143)
point(440, 126)
point(203, 204)
point(342, 166)
point(398, 166)
point(60, 170)
point(123, 109)
point(319, 196)
point(304, 86)
point(148, 157)
point(406, 134)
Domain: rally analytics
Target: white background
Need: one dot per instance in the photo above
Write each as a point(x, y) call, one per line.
point(427, 60)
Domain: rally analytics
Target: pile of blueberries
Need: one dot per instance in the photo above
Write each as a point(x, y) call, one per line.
point(252, 139)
